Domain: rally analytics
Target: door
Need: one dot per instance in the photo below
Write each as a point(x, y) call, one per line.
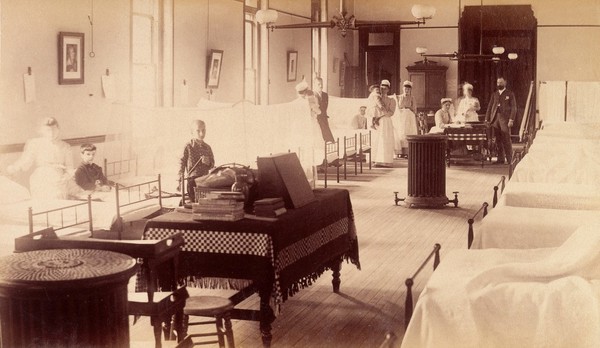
point(513, 27)
point(379, 57)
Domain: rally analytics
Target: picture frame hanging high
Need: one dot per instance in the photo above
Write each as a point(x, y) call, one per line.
point(71, 68)
point(214, 66)
point(292, 66)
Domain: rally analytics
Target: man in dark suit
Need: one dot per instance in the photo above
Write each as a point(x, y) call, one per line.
point(322, 118)
point(500, 114)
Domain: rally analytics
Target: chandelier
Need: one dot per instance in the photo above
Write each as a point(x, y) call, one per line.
point(495, 56)
point(344, 22)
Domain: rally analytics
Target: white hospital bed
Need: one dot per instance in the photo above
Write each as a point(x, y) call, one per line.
point(123, 204)
point(513, 298)
point(507, 227)
point(566, 196)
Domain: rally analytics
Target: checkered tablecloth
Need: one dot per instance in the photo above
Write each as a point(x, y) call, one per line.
point(285, 255)
point(467, 137)
point(218, 241)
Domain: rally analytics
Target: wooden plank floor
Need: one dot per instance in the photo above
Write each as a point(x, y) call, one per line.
point(393, 242)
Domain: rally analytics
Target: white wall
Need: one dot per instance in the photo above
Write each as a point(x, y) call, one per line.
point(29, 30)
point(564, 53)
point(200, 26)
point(337, 47)
point(29, 39)
point(280, 42)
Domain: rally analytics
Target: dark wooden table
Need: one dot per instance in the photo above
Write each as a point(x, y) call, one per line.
point(275, 257)
point(476, 135)
point(65, 298)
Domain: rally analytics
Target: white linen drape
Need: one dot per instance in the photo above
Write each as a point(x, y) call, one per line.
point(552, 101)
point(583, 101)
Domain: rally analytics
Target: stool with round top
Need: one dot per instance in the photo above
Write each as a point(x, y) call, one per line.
point(214, 307)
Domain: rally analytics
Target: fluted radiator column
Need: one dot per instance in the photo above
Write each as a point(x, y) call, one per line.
point(426, 171)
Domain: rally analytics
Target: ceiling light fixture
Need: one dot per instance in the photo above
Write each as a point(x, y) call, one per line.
point(497, 51)
point(344, 22)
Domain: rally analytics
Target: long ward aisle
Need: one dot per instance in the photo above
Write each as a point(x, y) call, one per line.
point(393, 242)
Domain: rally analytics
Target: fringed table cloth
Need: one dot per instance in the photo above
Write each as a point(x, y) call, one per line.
point(276, 257)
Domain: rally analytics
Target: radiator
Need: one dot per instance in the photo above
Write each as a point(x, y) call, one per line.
point(426, 171)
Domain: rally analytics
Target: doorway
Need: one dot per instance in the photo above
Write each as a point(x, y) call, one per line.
point(513, 27)
point(379, 57)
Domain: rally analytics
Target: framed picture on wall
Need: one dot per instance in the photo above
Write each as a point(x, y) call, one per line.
point(70, 58)
point(215, 64)
point(292, 65)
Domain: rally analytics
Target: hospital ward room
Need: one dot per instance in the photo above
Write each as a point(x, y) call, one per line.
point(299, 173)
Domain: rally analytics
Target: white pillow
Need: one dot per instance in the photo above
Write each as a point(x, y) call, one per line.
point(11, 192)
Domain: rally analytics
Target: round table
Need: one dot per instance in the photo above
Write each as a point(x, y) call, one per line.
point(65, 298)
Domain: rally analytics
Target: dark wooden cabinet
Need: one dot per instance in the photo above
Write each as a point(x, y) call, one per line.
point(429, 84)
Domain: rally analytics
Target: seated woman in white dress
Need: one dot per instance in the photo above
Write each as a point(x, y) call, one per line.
point(467, 106)
point(442, 116)
point(52, 161)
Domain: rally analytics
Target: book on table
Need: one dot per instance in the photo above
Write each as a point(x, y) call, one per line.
point(219, 217)
point(270, 212)
point(269, 207)
point(219, 205)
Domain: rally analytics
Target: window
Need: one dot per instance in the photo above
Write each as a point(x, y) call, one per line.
point(144, 53)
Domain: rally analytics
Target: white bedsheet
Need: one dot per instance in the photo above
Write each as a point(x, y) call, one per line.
point(581, 166)
point(551, 196)
point(570, 130)
point(104, 213)
point(513, 298)
point(508, 227)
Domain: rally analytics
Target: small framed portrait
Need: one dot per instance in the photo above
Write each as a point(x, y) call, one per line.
point(70, 58)
point(215, 64)
point(292, 66)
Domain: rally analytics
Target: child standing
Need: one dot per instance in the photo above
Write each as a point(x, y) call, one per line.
point(89, 175)
point(197, 158)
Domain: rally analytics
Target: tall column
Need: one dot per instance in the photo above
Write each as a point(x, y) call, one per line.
point(323, 49)
point(167, 53)
point(263, 69)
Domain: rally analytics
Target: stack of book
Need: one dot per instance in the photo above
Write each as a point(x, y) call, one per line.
point(269, 207)
point(219, 205)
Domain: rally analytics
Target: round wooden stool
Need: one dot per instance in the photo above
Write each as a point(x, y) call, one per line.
point(209, 306)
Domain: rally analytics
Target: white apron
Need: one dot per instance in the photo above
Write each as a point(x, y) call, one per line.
point(406, 125)
point(383, 149)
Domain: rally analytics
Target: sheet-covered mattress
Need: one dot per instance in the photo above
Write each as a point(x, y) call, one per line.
point(571, 130)
point(577, 166)
point(551, 196)
point(513, 298)
point(441, 317)
point(508, 227)
point(104, 213)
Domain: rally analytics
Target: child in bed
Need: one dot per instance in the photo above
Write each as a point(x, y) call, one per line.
point(89, 175)
point(197, 158)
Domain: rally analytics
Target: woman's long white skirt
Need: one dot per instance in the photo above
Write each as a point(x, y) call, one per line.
point(383, 149)
point(406, 124)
